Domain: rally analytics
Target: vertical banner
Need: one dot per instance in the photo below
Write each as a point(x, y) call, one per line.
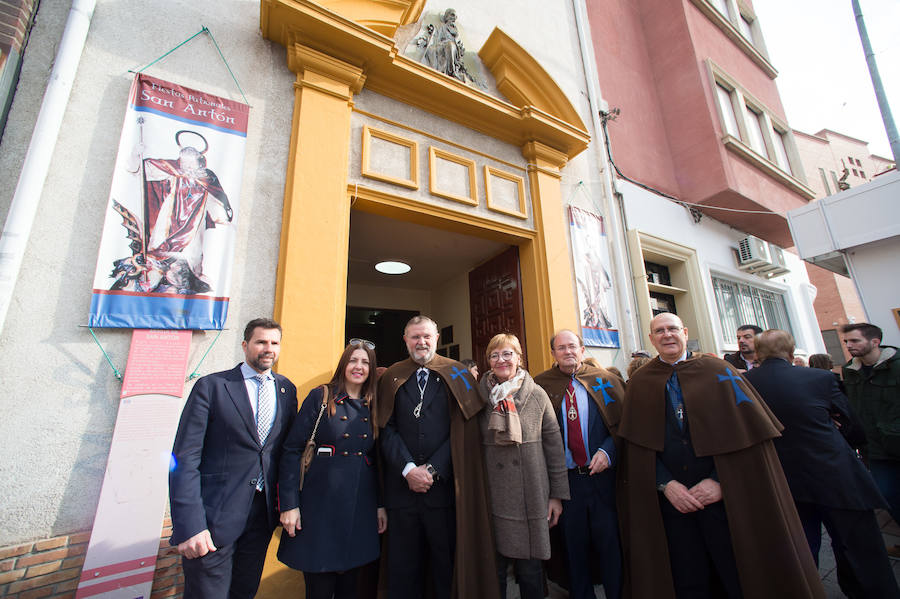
point(121, 556)
point(596, 301)
point(168, 237)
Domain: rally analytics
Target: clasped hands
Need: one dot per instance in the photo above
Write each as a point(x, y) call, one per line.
point(685, 500)
point(419, 479)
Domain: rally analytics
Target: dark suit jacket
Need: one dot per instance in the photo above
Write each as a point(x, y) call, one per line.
point(603, 484)
point(819, 465)
point(735, 360)
point(423, 440)
point(217, 457)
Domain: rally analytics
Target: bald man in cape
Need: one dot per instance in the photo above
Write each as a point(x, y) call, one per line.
point(587, 401)
point(703, 503)
point(434, 477)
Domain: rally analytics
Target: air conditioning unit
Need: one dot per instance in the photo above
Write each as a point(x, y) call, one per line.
point(778, 265)
point(753, 253)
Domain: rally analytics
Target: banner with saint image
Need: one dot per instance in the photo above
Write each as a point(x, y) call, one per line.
point(168, 237)
point(596, 301)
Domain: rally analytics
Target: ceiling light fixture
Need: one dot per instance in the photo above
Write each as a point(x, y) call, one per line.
point(392, 268)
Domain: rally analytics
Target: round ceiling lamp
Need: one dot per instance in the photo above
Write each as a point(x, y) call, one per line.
point(392, 267)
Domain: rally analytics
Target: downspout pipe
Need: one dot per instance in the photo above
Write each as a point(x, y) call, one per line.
point(615, 215)
point(23, 209)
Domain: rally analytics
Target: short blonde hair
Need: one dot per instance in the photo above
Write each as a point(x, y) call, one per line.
point(774, 343)
point(502, 340)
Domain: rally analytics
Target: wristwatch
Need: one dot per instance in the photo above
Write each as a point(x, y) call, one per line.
point(431, 471)
point(661, 487)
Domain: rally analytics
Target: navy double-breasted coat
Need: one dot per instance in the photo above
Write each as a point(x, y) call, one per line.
point(339, 501)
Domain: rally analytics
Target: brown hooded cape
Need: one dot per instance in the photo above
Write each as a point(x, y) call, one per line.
point(474, 572)
point(595, 379)
point(729, 421)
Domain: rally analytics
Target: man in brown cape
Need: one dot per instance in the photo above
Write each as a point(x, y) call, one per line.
point(434, 480)
point(587, 401)
point(703, 503)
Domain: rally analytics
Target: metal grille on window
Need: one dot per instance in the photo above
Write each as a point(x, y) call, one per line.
point(740, 303)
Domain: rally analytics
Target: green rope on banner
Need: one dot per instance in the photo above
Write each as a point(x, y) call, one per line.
point(574, 191)
point(227, 66)
point(195, 374)
point(169, 52)
point(203, 30)
point(106, 355)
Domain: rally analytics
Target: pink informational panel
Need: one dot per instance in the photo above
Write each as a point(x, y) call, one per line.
point(121, 556)
point(157, 363)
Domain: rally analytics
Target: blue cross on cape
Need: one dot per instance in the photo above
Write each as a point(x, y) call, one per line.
point(457, 373)
point(738, 392)
point(603, 386)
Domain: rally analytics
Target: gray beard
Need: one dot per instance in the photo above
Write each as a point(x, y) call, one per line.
point(422, 361)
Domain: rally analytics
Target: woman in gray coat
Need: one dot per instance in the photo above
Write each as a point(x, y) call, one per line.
point(525, 465)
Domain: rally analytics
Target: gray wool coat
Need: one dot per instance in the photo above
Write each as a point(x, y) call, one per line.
point(523, 477)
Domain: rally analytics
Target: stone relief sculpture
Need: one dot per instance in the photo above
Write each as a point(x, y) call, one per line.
point(439, 46)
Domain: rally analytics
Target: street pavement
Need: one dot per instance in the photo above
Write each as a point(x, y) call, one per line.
point(889, 530)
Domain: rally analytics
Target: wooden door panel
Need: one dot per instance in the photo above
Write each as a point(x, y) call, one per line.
point(495, 298)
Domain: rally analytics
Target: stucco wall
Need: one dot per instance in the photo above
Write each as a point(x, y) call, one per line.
point(713, 242)
point(58, 420)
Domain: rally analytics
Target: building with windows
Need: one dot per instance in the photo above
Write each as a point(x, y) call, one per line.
point(835, 162)
point(358, 152)
point(703, 158)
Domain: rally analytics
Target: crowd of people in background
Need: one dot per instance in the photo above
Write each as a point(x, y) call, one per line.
point(691, 476)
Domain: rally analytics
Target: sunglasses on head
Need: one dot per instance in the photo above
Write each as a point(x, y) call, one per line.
point(364, 342)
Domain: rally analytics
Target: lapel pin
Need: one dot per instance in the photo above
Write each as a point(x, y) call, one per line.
point(282, 389)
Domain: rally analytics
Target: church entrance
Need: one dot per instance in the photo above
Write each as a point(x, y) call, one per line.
point(438, 284)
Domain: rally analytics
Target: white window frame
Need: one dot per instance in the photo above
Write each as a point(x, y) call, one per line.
point(726, 327)
point(765, 158)
point(736, 24)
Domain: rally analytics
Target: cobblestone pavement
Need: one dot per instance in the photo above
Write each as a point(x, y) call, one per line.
point(890, 531)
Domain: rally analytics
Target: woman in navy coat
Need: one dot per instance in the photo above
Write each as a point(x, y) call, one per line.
point(331, 527)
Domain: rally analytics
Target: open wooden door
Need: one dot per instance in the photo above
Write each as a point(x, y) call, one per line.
point(495, 300)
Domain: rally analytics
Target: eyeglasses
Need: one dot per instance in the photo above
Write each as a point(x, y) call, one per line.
point(663, 330)
point(364, 342)
point(506, 355)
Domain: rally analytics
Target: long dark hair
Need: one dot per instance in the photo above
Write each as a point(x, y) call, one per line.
point(338, 383)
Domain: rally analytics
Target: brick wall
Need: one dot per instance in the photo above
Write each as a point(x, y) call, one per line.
point(14, 19)
point(52, 567)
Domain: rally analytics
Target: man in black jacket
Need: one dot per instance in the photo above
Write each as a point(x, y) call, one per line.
point(745, 358)
point(828, 481)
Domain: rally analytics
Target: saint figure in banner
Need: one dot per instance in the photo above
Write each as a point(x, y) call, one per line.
point(181, 199)
point(590, 254)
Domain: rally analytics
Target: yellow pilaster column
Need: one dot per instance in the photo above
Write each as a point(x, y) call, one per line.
point(547, 277)
point(311, 291)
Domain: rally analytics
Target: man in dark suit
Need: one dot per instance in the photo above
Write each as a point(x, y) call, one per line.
point(223, 486)
point(434, 481)
point(745, 358)
point(828, 481)
point(588, 401)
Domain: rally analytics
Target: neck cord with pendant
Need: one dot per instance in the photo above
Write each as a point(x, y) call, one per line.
point(417, 412)
point(572, 412)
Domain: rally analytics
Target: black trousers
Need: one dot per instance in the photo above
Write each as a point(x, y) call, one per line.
point(588, 524)
point(529, 576)
point(331, 585)
point(863, 567)
point(233, 570)
point(419, 537)
point(700, 553)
